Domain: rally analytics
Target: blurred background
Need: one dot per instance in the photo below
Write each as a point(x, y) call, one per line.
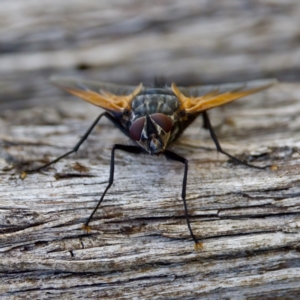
point(133, 41)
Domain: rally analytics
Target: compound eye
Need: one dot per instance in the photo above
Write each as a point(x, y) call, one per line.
point(163, 121)
point(137, 128)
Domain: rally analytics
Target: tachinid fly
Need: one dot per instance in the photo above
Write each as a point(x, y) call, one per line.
point(153, 117)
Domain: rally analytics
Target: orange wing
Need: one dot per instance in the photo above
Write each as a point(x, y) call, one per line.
point(201, 98)
point(111, 97)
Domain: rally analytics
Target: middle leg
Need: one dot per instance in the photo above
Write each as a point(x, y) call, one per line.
point(208, 126)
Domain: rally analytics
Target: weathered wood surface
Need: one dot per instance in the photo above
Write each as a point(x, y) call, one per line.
point(247, 219)
point(139, 248)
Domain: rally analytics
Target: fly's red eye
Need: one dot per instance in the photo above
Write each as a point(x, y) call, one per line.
point(137, 128)
point(163, 121)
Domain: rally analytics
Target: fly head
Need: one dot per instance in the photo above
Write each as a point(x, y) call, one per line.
point(152, 132)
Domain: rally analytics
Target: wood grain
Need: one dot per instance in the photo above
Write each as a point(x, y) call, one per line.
point(247, 219)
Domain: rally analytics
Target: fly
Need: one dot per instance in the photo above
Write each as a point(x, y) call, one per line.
point(153, 117)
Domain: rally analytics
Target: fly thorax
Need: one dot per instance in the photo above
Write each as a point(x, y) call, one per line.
point(154, 101)
point(153, 115)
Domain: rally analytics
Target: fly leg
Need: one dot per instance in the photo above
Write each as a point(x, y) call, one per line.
point(207, 125)
point(176, 157)
point(126, 148)
point(76, 147)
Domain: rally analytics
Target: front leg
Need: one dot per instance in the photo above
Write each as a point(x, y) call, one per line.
point(127, 148)
point(176, 157)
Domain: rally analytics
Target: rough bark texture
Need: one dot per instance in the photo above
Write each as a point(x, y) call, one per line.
point(139, 247)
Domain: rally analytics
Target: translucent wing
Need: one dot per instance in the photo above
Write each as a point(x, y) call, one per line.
point(200, 98)
point(111, 97)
